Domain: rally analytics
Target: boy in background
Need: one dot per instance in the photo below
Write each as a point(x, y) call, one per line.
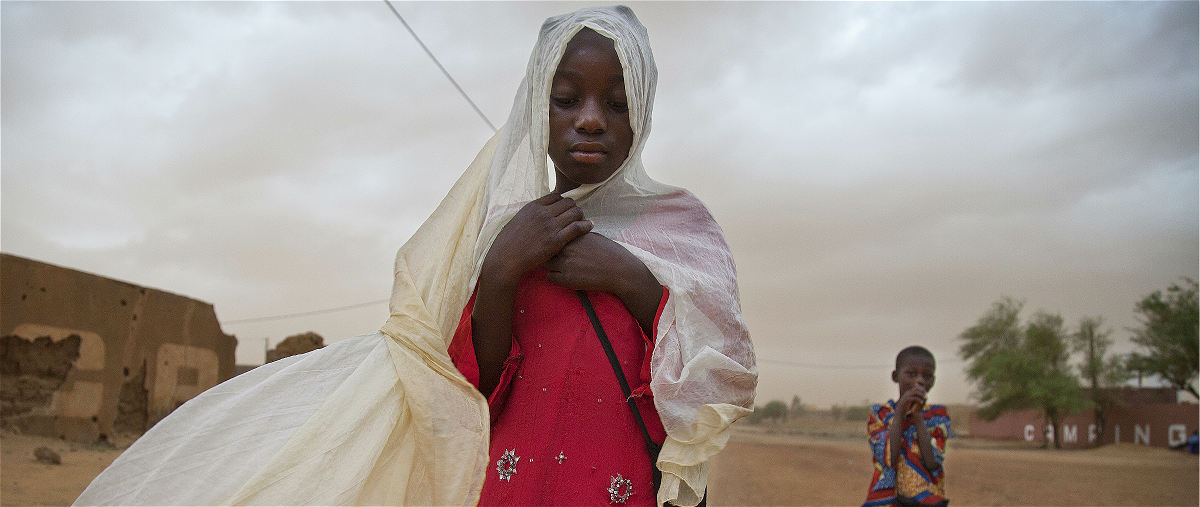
point(908, 438)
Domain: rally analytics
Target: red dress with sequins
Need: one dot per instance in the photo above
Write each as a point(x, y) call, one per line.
point(559, 408)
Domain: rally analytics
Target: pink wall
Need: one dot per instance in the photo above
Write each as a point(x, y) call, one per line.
point(1152, 424)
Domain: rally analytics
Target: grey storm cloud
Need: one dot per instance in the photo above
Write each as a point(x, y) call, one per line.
point(883, 171)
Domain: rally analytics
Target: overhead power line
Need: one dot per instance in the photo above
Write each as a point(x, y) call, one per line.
point(493, 127)
point(826, 366)
point(439, 65)
point(473, 106)
point(830, 366)
point(304, 314)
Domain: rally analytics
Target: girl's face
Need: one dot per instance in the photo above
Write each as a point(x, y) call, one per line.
point(590, 136)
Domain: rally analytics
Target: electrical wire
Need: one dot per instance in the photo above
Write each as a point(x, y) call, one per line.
point(439, 65)
point(473, 106)
point(827, 366)
point(304, 314)
point(493, 127)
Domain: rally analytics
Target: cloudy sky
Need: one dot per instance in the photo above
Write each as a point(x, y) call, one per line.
point(883, 171)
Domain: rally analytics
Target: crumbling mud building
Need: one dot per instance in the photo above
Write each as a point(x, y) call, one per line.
point(84, 357)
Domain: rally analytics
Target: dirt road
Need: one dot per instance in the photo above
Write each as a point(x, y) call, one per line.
point(767, 469)
point(25, 481)
point(758, 468)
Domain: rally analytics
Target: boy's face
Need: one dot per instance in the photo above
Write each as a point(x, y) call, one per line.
point(914, 370)
point(590, 135)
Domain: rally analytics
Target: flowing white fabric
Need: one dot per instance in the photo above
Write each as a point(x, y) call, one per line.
point(386, 418)
point(703, 370)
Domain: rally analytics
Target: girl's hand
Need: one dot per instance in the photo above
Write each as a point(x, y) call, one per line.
point(535, 234)
point(596, 263)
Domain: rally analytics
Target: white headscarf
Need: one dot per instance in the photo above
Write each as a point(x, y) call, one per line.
point(386, 418)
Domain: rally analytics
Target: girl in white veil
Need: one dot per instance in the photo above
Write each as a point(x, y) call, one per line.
point(389, 418)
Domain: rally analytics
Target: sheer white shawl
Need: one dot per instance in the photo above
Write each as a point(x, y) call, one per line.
point(703, 371)
point(386, 418)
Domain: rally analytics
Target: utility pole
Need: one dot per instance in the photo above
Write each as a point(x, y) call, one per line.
point(266, 349)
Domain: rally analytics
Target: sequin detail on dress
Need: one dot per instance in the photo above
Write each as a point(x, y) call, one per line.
point(506, 466)
point(619, 489)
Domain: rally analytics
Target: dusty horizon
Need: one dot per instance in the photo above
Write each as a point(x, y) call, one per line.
point(883, 172)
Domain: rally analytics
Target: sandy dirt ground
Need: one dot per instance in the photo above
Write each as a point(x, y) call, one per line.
point(759, 468)
point(762, 468)
point(25, 481)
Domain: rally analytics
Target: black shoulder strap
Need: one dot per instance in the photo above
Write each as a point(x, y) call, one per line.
point(651, 446)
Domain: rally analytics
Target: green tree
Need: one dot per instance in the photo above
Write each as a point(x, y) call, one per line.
point(1101, 373)
point(1168, 337)
point(992, 349)
point(1017, 366)
point(1056, 390)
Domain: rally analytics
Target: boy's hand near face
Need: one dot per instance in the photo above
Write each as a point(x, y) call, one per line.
point(912, 402)
point(912, 405)
point(910, 408)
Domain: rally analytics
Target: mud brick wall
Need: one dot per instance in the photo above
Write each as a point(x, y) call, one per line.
point(295, 345)
point(83, 356)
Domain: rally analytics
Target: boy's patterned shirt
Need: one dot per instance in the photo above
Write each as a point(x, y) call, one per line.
point(910, 479)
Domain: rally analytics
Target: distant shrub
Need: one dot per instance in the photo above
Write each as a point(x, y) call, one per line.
point(857, 413)
point(755, 417)
point(797, 408)
point(775, 410)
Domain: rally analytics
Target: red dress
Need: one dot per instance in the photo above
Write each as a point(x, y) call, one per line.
point(558, 406)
